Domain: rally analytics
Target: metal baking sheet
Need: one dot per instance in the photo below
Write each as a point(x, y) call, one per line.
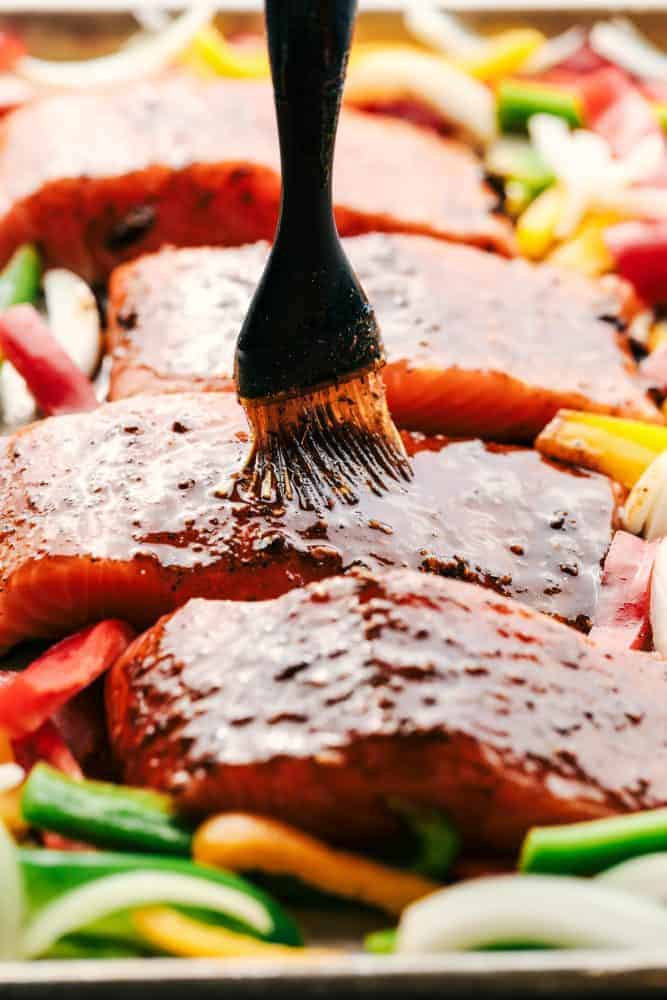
point(90, 26)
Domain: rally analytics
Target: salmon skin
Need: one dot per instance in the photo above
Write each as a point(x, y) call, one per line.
point(132, 509)
point(96, 179)
point(477, 345)
point(427, 690)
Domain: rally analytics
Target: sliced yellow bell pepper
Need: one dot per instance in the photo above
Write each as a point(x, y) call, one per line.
point(169, 931)
point(620, 448)
point(536, 227)
point(586, 252)
point(504, 54)
point(657, 336)
point(210, 49)
point(10, 812)
point(242, 842)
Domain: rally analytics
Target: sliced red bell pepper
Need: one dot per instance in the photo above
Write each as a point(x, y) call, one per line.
point(30, 697)
point(11, 50)
point(622, 617)
point(639, 250)
point(616, 109)
point(45, 744)
point(53, 378)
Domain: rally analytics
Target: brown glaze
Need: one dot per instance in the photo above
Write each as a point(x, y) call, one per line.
point(323, 705)
point(119, 513)
point(476, 344)
point(190, 163)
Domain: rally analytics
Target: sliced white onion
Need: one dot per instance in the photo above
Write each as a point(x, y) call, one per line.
point(645, 510)
point(11, 907)
point(552, 910)
point(636, 203)
point(449, 91)
point(112, 893)
point(445, 32)
point(645, 876)
point(73, 318)
point(131, 63)
point(555, 50)
point(619, 41)
point(659, 599)
point(17, 404)
point(11, 775)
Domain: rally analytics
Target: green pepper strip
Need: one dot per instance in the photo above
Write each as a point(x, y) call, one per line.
point(437, 840)
point(103, 814)
point(48, 874)
point(381, 942)
point(589, 848)
point(20, 280)
point(517, 102)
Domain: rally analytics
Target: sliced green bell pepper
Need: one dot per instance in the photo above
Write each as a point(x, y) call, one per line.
point(517, 102)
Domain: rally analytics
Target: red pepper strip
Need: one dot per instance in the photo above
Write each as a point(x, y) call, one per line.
point(622, 617)
point(11, 50)
point(617, 110)
point(53, 378)
point(45, 744)
point(640, 254)
point(30, 697)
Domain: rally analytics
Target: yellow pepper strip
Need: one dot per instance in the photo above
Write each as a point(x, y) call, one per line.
point(657, 336)
point(6, 752)
point(504, 54)
point(535, 230)
point(169, 931)
point(10, 812)
point(242, 842)
point(586, 251)
point(620, 448)
point(210, 48)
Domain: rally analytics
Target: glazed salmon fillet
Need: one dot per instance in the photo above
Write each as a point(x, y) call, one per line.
point(427, 690)
point(132, 509)
point(476, 344)
point(96, 179)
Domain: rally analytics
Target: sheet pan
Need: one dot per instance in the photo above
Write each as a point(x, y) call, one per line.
point(90, 26)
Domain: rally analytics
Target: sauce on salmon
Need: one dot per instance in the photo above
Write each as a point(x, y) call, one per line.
point(99, 178)
point(132, 509)
point(324, 705)
point(476, 344)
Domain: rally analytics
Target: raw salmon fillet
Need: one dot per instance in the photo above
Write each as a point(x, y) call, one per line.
point(476, 344)
point(132, 509)
point(96, 179)
point(322, 706)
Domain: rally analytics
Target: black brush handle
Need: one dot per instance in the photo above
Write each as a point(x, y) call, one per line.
point(309, 322)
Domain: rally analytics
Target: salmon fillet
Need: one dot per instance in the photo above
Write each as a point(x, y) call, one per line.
point(131, 510)
point(96, 179)
point(476, 344)
point(422, 689)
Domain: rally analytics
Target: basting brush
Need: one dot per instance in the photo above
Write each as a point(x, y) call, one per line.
point(309, 355)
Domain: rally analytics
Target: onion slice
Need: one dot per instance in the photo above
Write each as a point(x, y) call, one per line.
point(555, 50)
point(619, 41)
point(551, 910)
point(645, 876)
point(445, 32)
point(11, 910)
point(73, 318)
point(133, 62)
point(103, 896)
point(17, 403)
point(449, 91)
point(645, 510)
point(659, 599)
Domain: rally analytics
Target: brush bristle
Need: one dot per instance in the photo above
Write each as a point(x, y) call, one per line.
point(325, 445)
